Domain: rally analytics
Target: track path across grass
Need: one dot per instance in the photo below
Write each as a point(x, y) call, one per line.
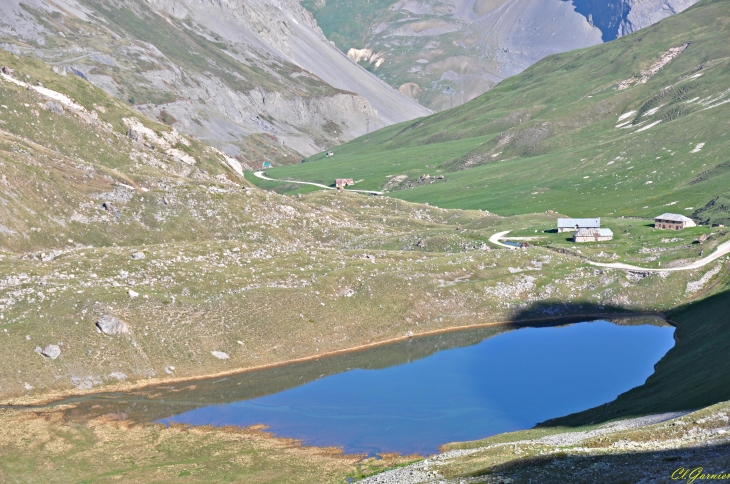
point(260, 174)
point(500, 235)
point(722, 249)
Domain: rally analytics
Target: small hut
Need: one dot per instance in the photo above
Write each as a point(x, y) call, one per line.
point(341, 183)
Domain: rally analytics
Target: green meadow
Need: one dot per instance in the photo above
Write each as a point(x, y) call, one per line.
point(547, 139)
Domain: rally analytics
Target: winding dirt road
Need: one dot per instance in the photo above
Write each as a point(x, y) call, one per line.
point(260, 174)
point(722, 249)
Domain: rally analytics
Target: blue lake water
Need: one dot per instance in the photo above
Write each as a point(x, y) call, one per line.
point(508, 382)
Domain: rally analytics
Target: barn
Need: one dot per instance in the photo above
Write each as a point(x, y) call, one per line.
point(593, 235)
point(673, 221)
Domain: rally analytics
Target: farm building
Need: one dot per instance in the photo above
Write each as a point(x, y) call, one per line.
point(593, 235)
point(572, 224)
point(341, 183)
point(672, 221)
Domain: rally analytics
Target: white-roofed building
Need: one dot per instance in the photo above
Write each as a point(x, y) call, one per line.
point(593, 235)
point(573, 224)
point(673, 221)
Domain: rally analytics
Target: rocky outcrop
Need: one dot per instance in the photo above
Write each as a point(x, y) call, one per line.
point(50, 351)
point(111, 325)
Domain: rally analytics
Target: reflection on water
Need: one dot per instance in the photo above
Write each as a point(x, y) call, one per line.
point(414, 396)
point(158, 401)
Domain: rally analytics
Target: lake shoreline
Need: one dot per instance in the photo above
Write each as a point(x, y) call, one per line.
point(53, 397)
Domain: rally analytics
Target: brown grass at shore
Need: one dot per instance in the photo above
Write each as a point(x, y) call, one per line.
point(42, 446)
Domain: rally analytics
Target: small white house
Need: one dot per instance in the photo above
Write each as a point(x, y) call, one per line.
point(573, 224)
point(593, 235)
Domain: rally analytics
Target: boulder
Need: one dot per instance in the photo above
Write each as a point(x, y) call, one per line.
point(138, 255)
point(112, 325)
point(132, 294)
point(51, 351)
point(220, 355)
point(54, 107)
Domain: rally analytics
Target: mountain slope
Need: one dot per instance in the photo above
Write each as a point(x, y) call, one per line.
point(444, 52)
point(106, 212)
point(256, 79)
point(630, 127)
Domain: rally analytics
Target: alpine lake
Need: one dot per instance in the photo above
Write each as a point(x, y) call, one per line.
point(414, 395)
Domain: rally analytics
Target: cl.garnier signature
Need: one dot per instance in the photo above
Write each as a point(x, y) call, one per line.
point(698, 473)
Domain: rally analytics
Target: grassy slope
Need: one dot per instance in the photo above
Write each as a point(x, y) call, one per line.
point(545, 138)
point(428, 267)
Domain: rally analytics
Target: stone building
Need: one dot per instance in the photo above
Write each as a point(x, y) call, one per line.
point(593, 235)
point(673, 221)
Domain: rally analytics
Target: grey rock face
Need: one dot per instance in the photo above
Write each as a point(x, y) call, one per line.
point(643, 13)
point(623, 17)
point(51, 351)
point(112, 325)
point(271, 70)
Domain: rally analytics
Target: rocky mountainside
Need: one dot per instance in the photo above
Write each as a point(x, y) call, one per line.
point(257, 78)
point(446, 52)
